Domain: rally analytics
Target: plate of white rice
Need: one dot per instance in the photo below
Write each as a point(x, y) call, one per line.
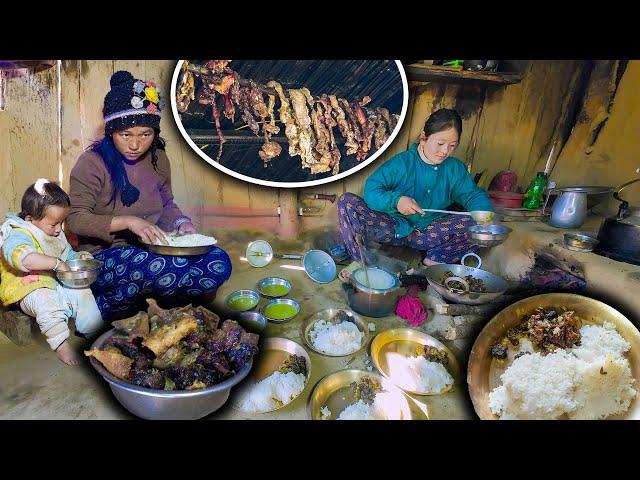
point(335, 332)
point(333, 399)
point(594, 379)
point(395, 354)
point(267, 389)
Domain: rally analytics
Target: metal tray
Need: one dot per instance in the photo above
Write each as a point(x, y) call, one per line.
point(483, 373)
point(178, 251)
point(274, 351)
point(404, 341)
point(328, 315)
point(334, 392)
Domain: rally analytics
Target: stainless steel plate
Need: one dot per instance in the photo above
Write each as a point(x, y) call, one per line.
point(328, 315)
point(389, 346)
point(334, 393)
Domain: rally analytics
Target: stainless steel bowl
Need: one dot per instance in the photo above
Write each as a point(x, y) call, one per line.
point(488, 235)
point(266, 282)
point(580, 242)
point(255, 299)
point(154, 404)
point(253, 322)
point(82, 273)
point(279, 301)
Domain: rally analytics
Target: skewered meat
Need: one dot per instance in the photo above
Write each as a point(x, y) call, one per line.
point(324, 105)
point(343, 125)
point(291, 130)
point(322, 153)
point(257, 101)
point(269, 151)
point(218, 66)
point(216, 117)
point(245, 105)
point(381, 135)
point(271, 128)
point(369, 129)
point(301, 115)
point(393, 121)
point(186, 91)
point(352, 119)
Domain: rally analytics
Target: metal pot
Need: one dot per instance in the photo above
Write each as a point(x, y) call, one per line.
point(378, 300)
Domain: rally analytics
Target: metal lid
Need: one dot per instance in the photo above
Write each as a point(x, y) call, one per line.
point(259, 253)
point(319, 266)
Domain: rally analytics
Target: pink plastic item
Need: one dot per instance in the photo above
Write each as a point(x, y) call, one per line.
point(411, 308)
point(504, 181)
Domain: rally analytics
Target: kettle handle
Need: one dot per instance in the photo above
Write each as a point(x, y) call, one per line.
point(622, 187)
point(547, 198)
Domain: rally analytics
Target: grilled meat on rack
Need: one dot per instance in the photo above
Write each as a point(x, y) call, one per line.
point(287, 118)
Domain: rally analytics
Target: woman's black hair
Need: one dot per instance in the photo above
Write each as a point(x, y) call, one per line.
point(114, 161)
point(442, 120)
point(35, 204)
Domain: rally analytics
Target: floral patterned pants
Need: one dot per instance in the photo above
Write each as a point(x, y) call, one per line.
point(131, 274)
point(444, 240)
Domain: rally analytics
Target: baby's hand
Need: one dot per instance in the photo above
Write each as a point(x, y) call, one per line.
point(62, 267)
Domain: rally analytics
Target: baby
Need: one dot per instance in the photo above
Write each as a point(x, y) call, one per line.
point(34, 247)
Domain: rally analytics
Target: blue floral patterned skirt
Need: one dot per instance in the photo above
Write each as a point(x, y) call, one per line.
point(131, 274)
point(445, 240)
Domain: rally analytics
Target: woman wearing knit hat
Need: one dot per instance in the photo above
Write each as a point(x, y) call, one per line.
point(120, 194)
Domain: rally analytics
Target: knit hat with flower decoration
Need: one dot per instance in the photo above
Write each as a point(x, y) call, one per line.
point(131, 103)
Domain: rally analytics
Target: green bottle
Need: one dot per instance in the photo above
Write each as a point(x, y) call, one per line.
point(533, 195)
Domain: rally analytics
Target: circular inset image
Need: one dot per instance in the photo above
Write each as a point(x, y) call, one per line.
point(289, 123)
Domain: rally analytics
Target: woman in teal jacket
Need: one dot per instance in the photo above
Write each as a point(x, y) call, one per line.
point(425, 176)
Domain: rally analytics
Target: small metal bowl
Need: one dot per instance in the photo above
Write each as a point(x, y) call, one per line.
point(488, 235)
point(579, 242)
point(82, 274)
point(243, 293)
point(266, 282)
point(253, 322)
point(329, 315)
point(280, 301)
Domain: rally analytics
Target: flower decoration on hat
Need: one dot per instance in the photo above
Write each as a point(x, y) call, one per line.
point(138, 87)
point(137, 102)
point(151, 94)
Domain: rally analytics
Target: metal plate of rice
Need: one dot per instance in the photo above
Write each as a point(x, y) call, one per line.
point(483, 373)
point(391, 345)
point(329, 315)
point(273, 351)
point(333, 394)
point(182, 251)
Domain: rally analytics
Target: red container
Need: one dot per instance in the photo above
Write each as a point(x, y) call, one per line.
point(506, 199)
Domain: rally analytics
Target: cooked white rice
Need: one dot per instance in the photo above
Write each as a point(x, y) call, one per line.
point(383, 408)
point(605, 389)
point(336, 339)
point(591, 381)
point(420, 375)
point(537, 386)
point(189, 240)
point(599, 341)
point(275, 390)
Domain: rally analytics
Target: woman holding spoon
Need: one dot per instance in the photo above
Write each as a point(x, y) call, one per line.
point(425, 177)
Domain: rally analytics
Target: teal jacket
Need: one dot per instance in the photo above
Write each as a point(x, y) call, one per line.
point(432, 186)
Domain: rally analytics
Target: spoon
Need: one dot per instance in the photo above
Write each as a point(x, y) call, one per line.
point(446, 211)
